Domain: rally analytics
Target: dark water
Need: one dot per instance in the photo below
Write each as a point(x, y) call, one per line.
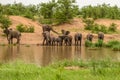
point(44, 55)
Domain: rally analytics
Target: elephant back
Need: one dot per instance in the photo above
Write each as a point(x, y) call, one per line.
point(101, 35)
point(46, 28)
point(14, 33)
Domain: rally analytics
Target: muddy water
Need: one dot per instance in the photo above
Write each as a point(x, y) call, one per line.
point(44, 55)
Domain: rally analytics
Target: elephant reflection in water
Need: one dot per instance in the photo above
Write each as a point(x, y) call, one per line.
point(11, 52)
point(47, 52)
point(53, 53)
point(77, 52)
point(64, 52)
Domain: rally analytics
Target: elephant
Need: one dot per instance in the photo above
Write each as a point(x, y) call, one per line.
point(64, 32)
point(100, 36)
point(78, 38)
point(68, 40)
point(48, 28)
point(59, 41)
point(52, 40)
point(46, 37)
point(12, 34)
point(89, 37)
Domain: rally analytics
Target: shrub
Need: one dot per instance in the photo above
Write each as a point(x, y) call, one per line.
point(30, 29)
point(88, 43)
point(113, 27)
point(95, 28)
point(20, 27)
point(89, 24)
point(23, 28)
point(5, 22)
point(99, 43)
point(116, 47)
point(112, 43)
point(103, 29)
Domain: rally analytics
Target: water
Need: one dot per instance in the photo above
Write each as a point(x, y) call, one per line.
point(44, 55)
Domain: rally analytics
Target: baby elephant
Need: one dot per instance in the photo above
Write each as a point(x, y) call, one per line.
point(12, 34)
point(78, 38)
point(59, 41)
point(68, 40)
point(89, 37)
point(52, 40)
point(100, 36)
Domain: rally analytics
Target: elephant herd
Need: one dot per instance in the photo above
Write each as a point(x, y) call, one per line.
point(62, 39)
point(65, 38)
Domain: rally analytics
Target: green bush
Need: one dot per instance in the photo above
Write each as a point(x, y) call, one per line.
point(26, 29)
point(113, 27)
point(30, 29)
point(88, 43)
point(89, 24)
point(99, 43)
point(103, 29)
point(20, 27)
point(95, 28)
point(5, 22)
point(116, 47)
point(112, 43)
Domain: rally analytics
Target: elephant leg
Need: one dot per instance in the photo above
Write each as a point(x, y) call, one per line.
point(50, 43)
point(54, 43)
point(8, 41)
point(70, 42)
point(80, 42)
point(43, 41)
point(75, 42)
point(11, 40)
point(18, 40)
point(61, 42)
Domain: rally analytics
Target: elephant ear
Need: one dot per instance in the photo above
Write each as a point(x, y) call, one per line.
point(6, 31)
point(67, 33)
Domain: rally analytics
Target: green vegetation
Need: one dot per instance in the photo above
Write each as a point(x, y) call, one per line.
point(113, 27)
point(4, 21)
point(24, 28)
point(88, 43)
point(99, 43)
point(114, 44)
point(100, 11)
point(60, 11)
point(57, 12)
point(95, 28)
point(91, 70)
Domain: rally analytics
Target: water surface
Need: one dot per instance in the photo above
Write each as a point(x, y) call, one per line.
point(44, 55)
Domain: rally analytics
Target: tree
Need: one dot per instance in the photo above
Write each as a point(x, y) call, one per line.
point(4, 21)
point(65, 10)
point(47, 9)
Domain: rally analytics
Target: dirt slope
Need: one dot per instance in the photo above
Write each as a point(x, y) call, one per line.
point(76, 26)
